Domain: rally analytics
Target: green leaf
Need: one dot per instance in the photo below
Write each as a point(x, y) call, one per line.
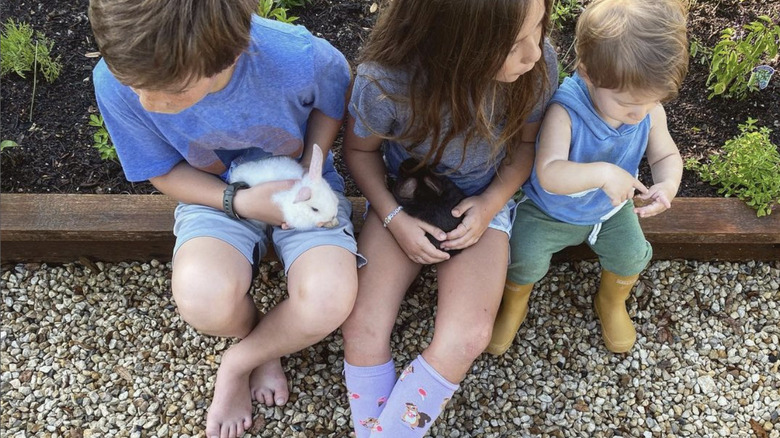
point(5, 144)
point(745, 168)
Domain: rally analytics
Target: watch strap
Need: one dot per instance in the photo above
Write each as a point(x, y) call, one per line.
point(228, 195)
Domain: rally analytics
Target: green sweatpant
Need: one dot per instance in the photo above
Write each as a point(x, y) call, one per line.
point(620, 244)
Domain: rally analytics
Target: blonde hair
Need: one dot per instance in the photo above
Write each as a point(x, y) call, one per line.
point(453, 50)
point(155, 44)
point(634, 45)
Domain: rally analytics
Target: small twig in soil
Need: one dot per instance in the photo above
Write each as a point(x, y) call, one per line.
point(35, 79)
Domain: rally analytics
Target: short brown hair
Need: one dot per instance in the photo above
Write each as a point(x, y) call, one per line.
point(155, 44)
point(634, 44)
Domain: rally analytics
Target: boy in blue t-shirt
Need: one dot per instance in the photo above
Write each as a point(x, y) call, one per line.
point(188, 89)
point(631, 56)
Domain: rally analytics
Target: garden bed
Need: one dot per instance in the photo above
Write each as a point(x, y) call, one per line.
point(55, 152)
point(65, 228)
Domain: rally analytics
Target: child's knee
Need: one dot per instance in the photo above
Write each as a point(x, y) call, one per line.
point(466, 345)
point(527, 270)
point(629, 262)
point(209, 306)
point(322, 307)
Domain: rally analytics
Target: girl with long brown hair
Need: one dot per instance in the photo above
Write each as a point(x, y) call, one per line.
point(461, 86)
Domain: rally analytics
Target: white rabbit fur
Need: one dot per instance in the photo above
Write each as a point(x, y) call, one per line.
point(310, 203)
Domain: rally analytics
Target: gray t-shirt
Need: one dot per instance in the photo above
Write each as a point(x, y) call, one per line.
point(375, 113)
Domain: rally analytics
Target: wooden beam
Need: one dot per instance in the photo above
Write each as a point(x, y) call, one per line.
point(58, 228)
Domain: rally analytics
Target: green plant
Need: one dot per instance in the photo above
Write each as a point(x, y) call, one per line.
point(734, 58)
point(562, 72)
point(102, 141)
point(564, 10)
point(21, 52)
point(287, 4)
point(699, 52)
point(6, 144)
point(747, 168)
point(272, 9)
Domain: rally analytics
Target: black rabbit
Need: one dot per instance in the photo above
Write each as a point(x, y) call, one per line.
point(428, 197)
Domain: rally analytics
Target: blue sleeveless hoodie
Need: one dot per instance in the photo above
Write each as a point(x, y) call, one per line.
point(592, 140)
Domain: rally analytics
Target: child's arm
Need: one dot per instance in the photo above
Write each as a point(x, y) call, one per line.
point(364, 160)
point(322, 130)
point(192, 186)
point(559, 175)
point(665, 164)
point(480, 210)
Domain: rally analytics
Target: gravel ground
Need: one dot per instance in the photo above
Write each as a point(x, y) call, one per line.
point(98, 350)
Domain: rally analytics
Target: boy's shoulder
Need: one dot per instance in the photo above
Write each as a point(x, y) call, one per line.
point(277, 38)
point(273, 28)
point(106, 85)
point(287, 44)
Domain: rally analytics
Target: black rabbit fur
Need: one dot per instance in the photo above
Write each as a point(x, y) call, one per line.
point(428, 197)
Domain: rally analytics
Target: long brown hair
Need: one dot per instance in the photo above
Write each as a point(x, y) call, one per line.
point(153, 44)
point(452, 50)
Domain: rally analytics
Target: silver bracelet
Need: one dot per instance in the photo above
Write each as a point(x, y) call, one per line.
point(390, 216)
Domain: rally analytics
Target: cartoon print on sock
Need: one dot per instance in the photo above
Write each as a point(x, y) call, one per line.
point(372, 424)
point(352, 395)
point(444, 403)
point(408, 370)
point(413, 417)
point(380, 401)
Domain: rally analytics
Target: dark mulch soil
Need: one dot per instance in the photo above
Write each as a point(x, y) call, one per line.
point(56, 153)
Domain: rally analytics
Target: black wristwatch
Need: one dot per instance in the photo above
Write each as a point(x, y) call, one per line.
point(228, 195)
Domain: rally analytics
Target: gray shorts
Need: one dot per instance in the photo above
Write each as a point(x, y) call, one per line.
point(504, 219)
point(193, 221)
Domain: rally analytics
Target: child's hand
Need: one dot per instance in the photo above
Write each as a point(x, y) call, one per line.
point(255, 202)
point(409, 232)
point(653, 202)
point(476, 219)
point(619, 185)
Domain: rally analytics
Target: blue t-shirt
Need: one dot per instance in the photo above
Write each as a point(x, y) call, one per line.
point(284, 74)
point(375, 113)
point(592, 140)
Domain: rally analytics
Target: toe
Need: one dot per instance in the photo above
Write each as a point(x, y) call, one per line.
point(267, 397)
point(212, 429)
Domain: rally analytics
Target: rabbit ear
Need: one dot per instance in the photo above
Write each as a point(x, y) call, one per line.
point(434, 185)
point(407, 188)
point(304, 194)
point(315, 166)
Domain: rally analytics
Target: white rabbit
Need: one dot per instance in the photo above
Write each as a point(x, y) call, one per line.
point(310, 203)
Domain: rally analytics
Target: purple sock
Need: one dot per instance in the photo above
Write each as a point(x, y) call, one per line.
point(418, 398)
point(367, 390)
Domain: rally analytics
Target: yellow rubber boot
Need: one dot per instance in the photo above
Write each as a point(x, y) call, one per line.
point(610, 304)
point(514, 308)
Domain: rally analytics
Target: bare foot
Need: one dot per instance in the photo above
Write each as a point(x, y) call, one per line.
point(268, 384)
point(230, 413)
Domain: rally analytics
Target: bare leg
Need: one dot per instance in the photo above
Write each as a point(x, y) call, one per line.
point(382, 285)
point(470, 288)
point(210, 284)
point(321, 297)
